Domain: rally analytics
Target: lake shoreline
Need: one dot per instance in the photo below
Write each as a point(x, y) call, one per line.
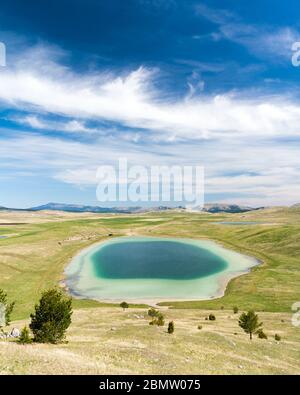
point(222, 281)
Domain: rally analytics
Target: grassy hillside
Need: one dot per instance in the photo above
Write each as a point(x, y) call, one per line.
point(110, 341)
point(34, 255)
point(103, 339)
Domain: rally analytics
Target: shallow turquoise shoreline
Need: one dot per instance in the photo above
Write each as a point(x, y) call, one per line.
point(81, 281)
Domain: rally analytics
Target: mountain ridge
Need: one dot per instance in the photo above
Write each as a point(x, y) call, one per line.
point(212, 208)
point(96, 209)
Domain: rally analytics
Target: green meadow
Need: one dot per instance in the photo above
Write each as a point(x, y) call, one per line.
point(36, 251)
point(104, 339)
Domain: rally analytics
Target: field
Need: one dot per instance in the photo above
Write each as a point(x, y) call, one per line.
point(39, 245)
point(110, 341)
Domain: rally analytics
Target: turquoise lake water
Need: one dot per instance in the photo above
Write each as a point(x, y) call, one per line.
point(156, 259)
point(147, 268)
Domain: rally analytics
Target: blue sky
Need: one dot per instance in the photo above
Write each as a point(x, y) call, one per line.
point(207, 83)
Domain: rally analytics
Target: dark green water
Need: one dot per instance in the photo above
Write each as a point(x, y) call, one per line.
point(155, 260)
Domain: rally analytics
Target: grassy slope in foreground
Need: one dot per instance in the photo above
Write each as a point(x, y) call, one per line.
point(135, 347)
point(34, 256)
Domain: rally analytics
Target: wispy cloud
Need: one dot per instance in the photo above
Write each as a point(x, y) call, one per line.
point(134, 100)
point(43, 123)
point(266, 42)
point(227, 134)
point(260, 171)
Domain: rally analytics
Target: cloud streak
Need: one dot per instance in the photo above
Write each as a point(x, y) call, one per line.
point(134, 101)
point(266, 42)
point(262, 174)
point(229, 133)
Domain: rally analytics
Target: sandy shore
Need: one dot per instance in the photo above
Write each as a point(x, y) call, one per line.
point(221, 282)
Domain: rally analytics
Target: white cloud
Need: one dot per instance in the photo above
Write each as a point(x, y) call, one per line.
point(72, 126)
point(265, 174)
point(225, 133)
point(266, 42)
point(33, 122)
point(134, 100)
point(263, 42)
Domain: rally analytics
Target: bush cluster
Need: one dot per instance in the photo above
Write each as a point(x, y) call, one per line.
point(157, 317)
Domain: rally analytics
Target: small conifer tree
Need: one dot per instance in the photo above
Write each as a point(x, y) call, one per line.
point(171, 327)
point(25, 336)
point(249, 322)
point(160, 320)
point(52, 317)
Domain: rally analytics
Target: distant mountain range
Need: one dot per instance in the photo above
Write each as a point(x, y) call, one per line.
point(76, 208)
point(228, 208)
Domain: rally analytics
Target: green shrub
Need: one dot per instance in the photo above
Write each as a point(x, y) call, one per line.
point(199, 327)
point(158, 319)
point(235, 309)
point(25, 336)
point(52, 317)
point(212, 317)
point(277, 337)
point(171, 327)
point(153, 312)
point(261, 334)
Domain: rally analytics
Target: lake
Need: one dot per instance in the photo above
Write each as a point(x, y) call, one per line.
point(149, 268)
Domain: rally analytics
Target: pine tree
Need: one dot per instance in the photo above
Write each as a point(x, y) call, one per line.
point(160, 320)
point(249, 322)
point(171, 327)
point(52, 317)
point(25, 336)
